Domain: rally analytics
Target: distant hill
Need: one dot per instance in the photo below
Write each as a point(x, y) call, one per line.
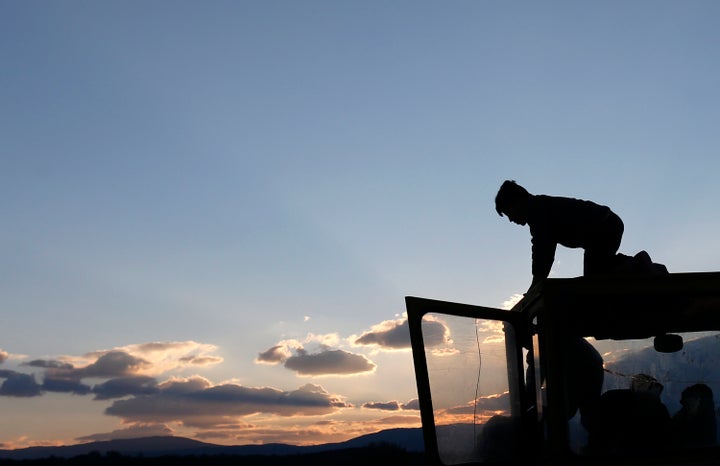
point(409, 440)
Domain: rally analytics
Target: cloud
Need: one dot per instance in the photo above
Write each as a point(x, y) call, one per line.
point(134, 431)
point(201, 360)
point(301, 433)
point(162, 347)
point(329, 362)
point(196, 402)
point(324, 339)
point(159, 357)
point(484, 404)
point(435, 332)
point(107, 365)
point(19, 385)
point(295, 434)
point(185, 386)
point(24, 441)
point(113, 364)
point(49, 364)
point(324, 361)
point(129, 370)
point(3, 356)
point(63, 377)
point(511, 301)
point(124, 386)
point(65, 385)
point(383, 406)
point(390, 334)
point(413, 404)
point(275, 355)
point(397, 421)
point(395, 334)
point(498, 402)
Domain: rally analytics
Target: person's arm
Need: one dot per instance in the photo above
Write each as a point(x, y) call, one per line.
point(543, 256)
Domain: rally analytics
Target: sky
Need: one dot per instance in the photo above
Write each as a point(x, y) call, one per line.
point(212, 211)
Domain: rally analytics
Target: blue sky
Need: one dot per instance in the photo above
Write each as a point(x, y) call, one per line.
point(190, 185)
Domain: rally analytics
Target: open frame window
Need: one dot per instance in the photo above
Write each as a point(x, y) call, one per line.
point(474, 379)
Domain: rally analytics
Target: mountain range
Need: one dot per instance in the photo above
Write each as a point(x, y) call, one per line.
point(409, 439)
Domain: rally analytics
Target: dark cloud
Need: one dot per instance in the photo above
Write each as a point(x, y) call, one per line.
point(276, 354)
point(64, 385)
point(195, 402)
point(124, 386)
point(62, 377)
point(435, 333)
point(19, 385)
point(386, 406)
point(391, 334)
point(413, 404)
point(49, 364)
point(113, 364)
point(125, 373)
point(186, 386)
point(107, 365)
point(329, 362)
point(396, 334)
point(494, 402)
point(121, 366)
point(65, 378)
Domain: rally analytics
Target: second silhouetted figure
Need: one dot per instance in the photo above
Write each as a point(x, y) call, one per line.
point(573, 223)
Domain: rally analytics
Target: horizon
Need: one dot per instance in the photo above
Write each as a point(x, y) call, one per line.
point(213, 212)
point(254, 446)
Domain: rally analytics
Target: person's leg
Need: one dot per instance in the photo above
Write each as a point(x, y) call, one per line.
point(600, 253)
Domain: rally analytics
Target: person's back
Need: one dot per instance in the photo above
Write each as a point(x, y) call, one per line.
point(564, 220)
point(628, 421)
point(573, 223)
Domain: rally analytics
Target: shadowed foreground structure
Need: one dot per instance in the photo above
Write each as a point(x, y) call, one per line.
point(376, 454)
point(516, 389)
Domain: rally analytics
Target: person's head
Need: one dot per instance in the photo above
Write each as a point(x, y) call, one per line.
point(512, 200)
point(697, 397)
point(646, 383)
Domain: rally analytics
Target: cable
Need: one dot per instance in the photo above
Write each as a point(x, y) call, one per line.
point(477, 384)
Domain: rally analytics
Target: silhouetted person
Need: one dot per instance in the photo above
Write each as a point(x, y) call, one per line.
point(572, 223)
point(583, 378)
point(695, 424)
point(630, 420)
